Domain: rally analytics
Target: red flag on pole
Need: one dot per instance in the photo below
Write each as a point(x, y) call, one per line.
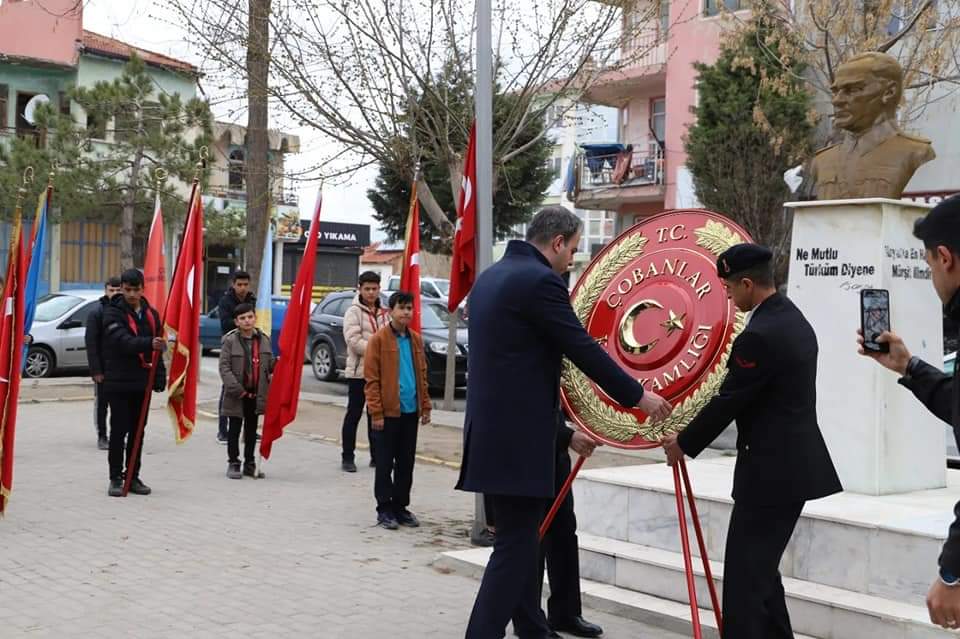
point(410, 275)
point(11, 348)
point(284, 391)
point(155, 264)
point(181, 320)
point(463, 266)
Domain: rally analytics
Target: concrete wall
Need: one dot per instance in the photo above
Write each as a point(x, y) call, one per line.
point(47, 31)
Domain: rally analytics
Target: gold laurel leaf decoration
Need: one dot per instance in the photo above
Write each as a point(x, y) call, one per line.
point(601, 274)
point(716, 237)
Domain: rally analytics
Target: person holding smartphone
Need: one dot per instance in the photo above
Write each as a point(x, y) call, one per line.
point(939, 231)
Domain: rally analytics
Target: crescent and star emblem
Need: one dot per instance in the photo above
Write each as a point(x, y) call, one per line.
point(627, 339)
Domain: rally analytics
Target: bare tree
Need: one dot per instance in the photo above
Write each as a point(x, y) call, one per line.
point(358, 71)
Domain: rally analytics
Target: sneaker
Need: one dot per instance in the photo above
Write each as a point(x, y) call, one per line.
point(408, 519)
point(221, 438)
point(233, 470)
point(116, 488)
point(137, 487)
point(386, 520)
point(348, 467)
point(102, 443)
point(250, 469)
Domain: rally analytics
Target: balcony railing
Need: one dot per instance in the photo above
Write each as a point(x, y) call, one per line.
point(626, 168)
point(644, 50)
point(281, 196)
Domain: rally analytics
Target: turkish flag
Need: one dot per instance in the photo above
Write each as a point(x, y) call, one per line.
point(181, 320)
point(463, 266)
point(410, 275)
point(284, 393)
point(11, 349)
point(155, 264)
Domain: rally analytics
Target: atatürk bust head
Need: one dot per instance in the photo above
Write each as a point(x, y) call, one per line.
point(875, 158)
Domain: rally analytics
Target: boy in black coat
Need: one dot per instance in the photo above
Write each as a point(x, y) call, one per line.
point(93, 339)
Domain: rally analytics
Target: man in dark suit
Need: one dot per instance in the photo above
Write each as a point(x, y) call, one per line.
point(940, 393)
point(782, 461)
point(521, 327)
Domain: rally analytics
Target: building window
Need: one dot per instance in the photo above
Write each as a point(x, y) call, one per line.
point(664, 20)
point(714, 7)
point(557, 167)
point(658, 124)
point(235, 170)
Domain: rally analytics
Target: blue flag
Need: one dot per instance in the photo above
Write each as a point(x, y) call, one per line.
point(265, 287)
point(35, 273)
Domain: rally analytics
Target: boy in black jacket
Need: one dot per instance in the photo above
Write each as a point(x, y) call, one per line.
point(132, 332)
point(94, 343)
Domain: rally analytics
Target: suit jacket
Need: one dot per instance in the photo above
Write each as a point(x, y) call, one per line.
point(771, 390)
point(940, 393)
point(521, 326)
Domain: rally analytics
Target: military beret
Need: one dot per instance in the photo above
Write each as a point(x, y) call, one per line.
point(941, 226)
point(741, 257)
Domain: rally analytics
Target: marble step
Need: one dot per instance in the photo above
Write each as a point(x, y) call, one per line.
point(654, 611)
point(885, 546)
point(815, 609)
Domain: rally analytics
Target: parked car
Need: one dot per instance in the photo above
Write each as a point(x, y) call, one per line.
point(210, 333)
point(328, 349)
point(950, 363)
point(59, 328)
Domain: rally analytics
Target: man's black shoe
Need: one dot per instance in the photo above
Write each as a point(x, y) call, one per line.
point(102, 443)
point(485, 538)
point(408, 519)
point(348, 467)
point(250, 469)
point(221, 438)
point(137, 487)
point(233, 470)
point(386, 520)
point(577, 626)
point(551, 635)
point(116, 488)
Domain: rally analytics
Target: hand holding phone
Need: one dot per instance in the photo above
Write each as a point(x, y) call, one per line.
point(874, 318)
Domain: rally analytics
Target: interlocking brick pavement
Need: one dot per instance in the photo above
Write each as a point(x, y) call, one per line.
point(294, 555)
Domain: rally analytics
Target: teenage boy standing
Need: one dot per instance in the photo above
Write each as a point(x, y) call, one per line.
point(93, 339)
point(395, 369)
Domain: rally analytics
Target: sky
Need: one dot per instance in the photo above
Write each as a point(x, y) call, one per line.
point(141, 23)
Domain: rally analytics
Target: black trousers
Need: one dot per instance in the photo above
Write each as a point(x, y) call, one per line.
point(249, 424)
point(100, 409)
point(124, 414)
point(396, 453)
point(223, 424)
point(753, 599)
point(510, 588)
point(356, 400)
point(560, 551)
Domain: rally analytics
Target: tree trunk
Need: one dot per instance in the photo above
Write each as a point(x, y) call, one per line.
point(436, 214)
point(126, 214)
point(257, 164)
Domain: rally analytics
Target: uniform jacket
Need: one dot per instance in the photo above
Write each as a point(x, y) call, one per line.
point(359, 325)
point(940, 393)
point(127, 354)
point(521, 327)
point(232, 358)
point(93, 337)
point(771, 391)
point(381, 369)
point(225, 308)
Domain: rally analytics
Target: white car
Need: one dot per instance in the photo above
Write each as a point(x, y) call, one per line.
point(431, 288)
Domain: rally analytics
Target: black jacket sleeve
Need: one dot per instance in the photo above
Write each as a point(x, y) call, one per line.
point(747, 374)
point(933, 388)
point(555, 317)
point(225, 311)
point(93, 338)
point(117, 334)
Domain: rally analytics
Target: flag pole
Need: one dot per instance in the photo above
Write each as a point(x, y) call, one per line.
point(155, 356)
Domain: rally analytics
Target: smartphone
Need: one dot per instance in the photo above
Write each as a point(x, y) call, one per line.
point(874, 318)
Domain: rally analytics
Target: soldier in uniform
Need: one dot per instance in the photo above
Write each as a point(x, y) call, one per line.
point(782, 460)
point(874, 158)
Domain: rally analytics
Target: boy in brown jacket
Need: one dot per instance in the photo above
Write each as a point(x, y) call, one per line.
point(395, 369)
point(246, 363)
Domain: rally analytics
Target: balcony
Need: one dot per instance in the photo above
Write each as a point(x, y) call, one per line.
point(607, 180)
point(642, 68)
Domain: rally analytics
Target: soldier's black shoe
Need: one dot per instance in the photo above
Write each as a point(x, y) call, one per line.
point(137, 487)
point(576, 626)
point(116, 488)
point(102, 443)
point(250, 469)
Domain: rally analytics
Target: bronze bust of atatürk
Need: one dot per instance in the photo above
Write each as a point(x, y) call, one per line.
point(874, 158)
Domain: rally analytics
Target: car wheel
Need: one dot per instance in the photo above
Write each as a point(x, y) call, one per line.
point(40, 362)
point(323, 360)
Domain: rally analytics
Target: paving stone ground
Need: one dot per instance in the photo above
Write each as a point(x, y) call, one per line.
point(293, 555)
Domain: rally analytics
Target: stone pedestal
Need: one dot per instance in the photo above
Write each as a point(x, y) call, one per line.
point(881, 438)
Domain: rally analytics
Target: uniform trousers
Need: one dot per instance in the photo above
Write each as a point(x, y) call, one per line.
point(753, 597)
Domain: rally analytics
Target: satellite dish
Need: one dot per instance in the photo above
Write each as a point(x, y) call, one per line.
point(30, 111)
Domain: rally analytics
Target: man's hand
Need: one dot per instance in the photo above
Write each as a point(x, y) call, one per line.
point(672, 447)
point(582, 444)
point(159, 344)
point(898, 357)
point(425, 419)
point(98, 378)
point(943, 603)
point(655, 406)
point(377, 424)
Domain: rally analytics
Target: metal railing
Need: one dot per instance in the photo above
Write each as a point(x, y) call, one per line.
point(643, 50)
point(612, 170)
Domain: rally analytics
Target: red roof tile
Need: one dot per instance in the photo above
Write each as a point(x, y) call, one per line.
point(110, 47)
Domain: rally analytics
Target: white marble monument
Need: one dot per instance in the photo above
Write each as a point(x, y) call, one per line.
point(881, 438)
